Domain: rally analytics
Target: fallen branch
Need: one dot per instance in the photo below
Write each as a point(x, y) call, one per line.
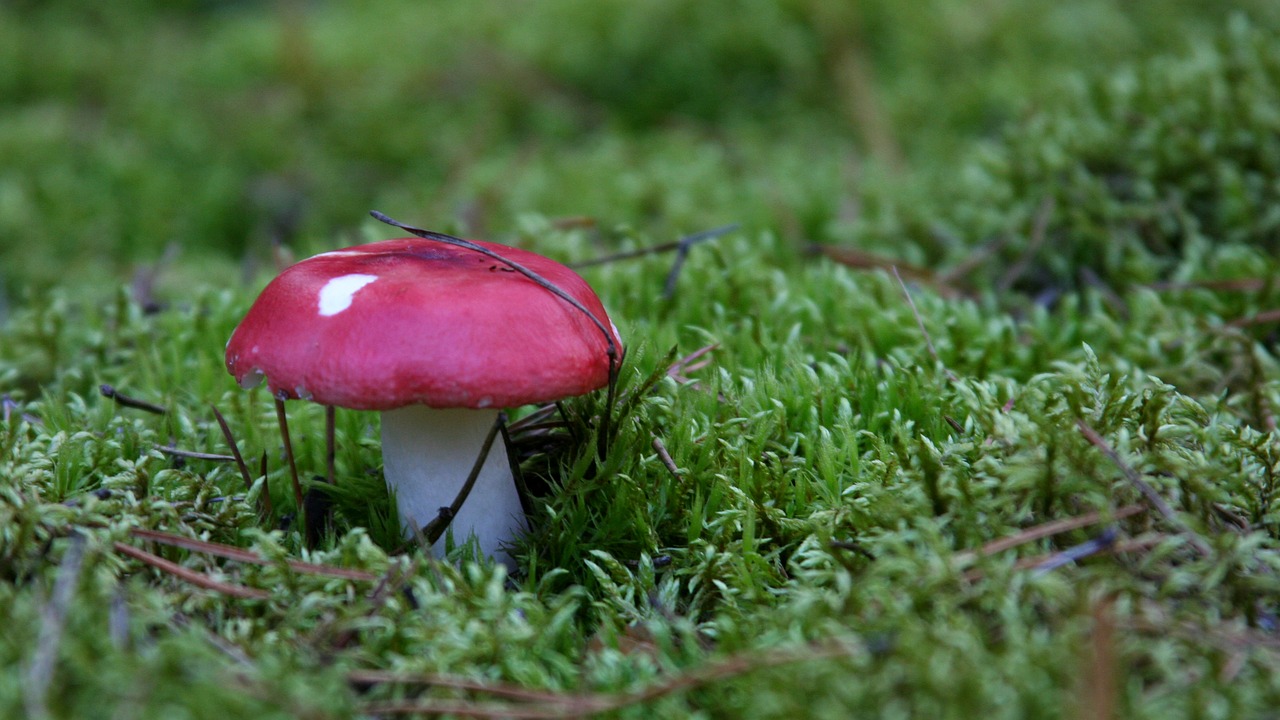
point(537, 705)
point(231, 552)
point(682, 245)
point(265, 497)
point(1143, 487)
point(190, 576)
point(693, 362)
point(1111, 548)
point(283, 420)
point(1262, 318)
point(665, 457)
point(129, 401)
point(1048, 529)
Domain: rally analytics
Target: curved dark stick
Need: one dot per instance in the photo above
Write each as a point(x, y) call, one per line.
point(614, 360)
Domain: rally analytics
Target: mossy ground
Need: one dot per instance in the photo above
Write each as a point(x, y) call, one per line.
point(1081, 209)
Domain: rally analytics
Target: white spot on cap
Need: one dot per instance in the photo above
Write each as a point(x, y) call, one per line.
point(302, 393)
point(484, 402)
point(251, 379)
point(336, 295)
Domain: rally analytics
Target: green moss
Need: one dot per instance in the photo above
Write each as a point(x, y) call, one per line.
point(811, 547)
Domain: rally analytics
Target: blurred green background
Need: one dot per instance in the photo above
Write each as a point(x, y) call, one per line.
point(218, 129)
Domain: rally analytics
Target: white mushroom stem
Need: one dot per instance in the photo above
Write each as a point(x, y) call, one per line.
point(427, 454)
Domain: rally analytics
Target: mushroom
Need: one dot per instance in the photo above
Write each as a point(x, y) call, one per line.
point(439, 337)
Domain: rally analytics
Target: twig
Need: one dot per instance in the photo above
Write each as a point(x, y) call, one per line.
point(863, 260)
point(1143, 487)
point(39, 674)
point(1232, 285)
point(330, 433)
point(458, 708)
point(1115, 548)
point(191, 576)
point(144, 279)
point(240, 554)
point(976, 259)
point(1047, 530)
point(511, 692)
point(1098, 689)
point(533, 276)
point(692, 362)
point(193, 455)
point(612, 349)
point(682, 253)
point(1039, 226)
point(1214, 633)
point(928, 341)
point(665, 458)
point(440, 522)
point(685, 243)
point(1105, 541)
point(130, 402)
point(339, 634)
point(535, 705)
point(288, 451)
point(1091, 279)
point(1262, 318)
point(265, 498)
point(517, 472)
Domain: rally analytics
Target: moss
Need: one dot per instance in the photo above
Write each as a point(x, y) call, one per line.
point(797, 527)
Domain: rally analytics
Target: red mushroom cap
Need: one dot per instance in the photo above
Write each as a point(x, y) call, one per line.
point(413, 321)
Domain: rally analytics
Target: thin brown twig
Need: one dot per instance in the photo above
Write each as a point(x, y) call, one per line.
point(1039, 228)
point(1143, 487)
point(1215, 633)
point(190, 576)
point(923, 330)
point(1048, 529)
point(330, 440)
point(193, 455)
point(1229, 285)
point(552, 705)
point(536, 420)
point(1098, 689)
point(1262, 318)
point(283, 420)
point(665, 458)
point(974, 260)
point(397, 677)
point(235, 453)
point(458, 708)
point(682, 253)
point(1114, 548)
point(129, 401)
point(231, 552)
point(329, 632)
point(692, 362)
point(684, 242)
point(613, 350)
